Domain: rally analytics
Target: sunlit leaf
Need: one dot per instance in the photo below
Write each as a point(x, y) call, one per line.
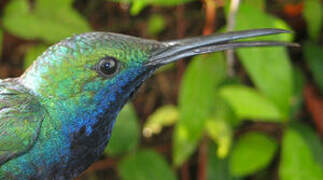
point(137, 7)
point(297, 160)
point(314, 58)
point(269, 68)
point(253, 152)
point(33, 53)
point(217, 168)
point(125, 135)
point(164, 116)
point(145, 165)
point(220, 132)
point(48, 20)
point(196, 101)
point(156, 24)
point(250, 104)
point(313, 14)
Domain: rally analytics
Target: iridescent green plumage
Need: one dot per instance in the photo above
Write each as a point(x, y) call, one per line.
point(21, 117)
point(57, 118)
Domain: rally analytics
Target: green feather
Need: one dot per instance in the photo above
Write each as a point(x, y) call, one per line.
point(21, 118)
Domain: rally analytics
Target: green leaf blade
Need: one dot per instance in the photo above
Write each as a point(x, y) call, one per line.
point(125, 135)
point(197, 89)
point(217, 168)
point(312, 139)
point(43, 21)
point(297, 161)
point(220, 132)
point(145, 165)
point(156, 24)
point(33, 53)
point(314, 58)
point(165, 116)
point(253, 152)
point(250, 104)
point(269, 68)
point(313, 14)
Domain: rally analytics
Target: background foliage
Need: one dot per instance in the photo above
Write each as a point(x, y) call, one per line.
point(195, 120)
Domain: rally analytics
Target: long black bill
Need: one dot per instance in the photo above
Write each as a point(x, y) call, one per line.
point(177, 49)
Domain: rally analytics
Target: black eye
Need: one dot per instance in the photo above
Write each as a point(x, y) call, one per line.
point(108, 66)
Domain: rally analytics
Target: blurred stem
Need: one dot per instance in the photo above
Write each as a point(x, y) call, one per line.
point(101, 165)
point(181, 28)
point(234, 5)
point(185, 172)
point(210, 12)
point(314, 105)
point(210, 17)
point(181, 23)
point(202, 160)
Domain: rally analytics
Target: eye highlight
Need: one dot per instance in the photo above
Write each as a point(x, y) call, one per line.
point(108, 66)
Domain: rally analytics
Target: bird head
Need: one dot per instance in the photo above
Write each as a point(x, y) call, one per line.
point(99, 71)
point(96, 61)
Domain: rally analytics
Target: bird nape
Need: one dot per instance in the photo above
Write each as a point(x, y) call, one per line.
point(57, 118)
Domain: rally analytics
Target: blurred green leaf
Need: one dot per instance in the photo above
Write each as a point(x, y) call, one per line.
point(48, 20)
point(253, 152)
point(196, 101)
point(312, 139)
point(33, 53)
point(297, 160)
point(314, 58)
point(145, 165)
point(260, 4)
point(269, 68)
point(125, 135)
point(222, 109)
point(299, 81)
point(219, 126)
point(217, 169)
point(155, 2)
point(156, 24)
point(220, 132)
point(138, 5)
point(166, 68)
point(313, 14)
point(183, 144)
point(250, 104)
point(164, 116)
point(297, 98)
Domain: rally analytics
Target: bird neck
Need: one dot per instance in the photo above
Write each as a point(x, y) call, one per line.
point(84, 124)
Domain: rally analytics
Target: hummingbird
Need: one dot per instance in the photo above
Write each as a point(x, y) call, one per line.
point(56, 118)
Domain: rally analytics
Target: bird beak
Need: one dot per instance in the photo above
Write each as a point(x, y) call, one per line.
point(172, 51)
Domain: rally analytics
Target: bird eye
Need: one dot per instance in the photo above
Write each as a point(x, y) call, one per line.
point(108, 66)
